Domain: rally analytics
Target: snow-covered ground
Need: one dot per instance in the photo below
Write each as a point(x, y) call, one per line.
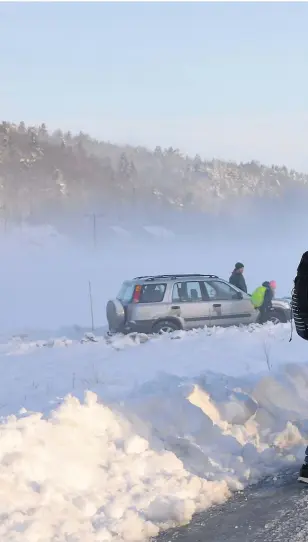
point(115, 440)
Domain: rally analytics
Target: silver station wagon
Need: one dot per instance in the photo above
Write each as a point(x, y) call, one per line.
point(165, 303)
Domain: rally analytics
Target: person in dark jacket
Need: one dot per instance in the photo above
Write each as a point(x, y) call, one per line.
point(265, 309)
point(237, 277)
point(300, 313)
point(300, 297)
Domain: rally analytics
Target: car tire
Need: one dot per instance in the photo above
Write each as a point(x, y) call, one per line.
point(115, 313)
point(278, 317)
point(165, 326)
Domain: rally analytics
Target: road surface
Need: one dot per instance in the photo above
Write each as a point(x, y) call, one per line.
point(271, 511)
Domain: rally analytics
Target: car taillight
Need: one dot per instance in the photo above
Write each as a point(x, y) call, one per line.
point(137, 293)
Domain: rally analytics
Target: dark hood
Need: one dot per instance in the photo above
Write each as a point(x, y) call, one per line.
point(303, 264)
point(266, 284)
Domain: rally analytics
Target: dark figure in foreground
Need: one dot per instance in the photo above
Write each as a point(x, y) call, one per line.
point(300, 314)
point(237, 277)
point(303, 473)
point(300, 298)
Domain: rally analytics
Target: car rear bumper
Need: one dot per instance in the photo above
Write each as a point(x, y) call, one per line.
point(135, 327)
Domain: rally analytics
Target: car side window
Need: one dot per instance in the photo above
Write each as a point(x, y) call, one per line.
point(220, 291)
point(187, 292)
point(152, 293)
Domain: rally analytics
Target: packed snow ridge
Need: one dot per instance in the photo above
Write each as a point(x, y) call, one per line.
point(117, 440)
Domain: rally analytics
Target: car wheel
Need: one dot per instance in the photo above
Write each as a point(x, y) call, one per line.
point(165, 326)
point(278, 317)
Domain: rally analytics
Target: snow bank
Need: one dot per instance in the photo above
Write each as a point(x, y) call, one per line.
point(84, 474)
point(115, 441)
point(159, 231)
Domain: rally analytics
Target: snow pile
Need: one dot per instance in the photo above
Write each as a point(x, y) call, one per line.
point(160, 232)
point(114, 441)
point(85, 473)
point(121, 231)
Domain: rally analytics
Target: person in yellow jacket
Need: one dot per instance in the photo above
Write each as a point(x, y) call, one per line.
point(262, 299)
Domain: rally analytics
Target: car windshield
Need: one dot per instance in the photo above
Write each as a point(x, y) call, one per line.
point(126, 292)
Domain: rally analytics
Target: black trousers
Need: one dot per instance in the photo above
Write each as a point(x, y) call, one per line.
point(264, 315)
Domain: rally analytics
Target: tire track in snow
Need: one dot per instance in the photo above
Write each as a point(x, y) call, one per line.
point(271, 511)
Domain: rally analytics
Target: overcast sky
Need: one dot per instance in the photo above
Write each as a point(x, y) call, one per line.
point(219, 79)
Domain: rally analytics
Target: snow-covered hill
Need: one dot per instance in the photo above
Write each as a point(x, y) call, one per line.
point(59, 174)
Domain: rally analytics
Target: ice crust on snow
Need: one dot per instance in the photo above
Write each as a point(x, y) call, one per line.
point(116, 440)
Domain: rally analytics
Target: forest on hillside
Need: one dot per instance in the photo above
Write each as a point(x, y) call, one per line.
point(46, 173)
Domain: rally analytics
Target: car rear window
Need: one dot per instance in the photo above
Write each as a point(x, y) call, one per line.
point(126, 292)
point(152, 293)
point(149, 293)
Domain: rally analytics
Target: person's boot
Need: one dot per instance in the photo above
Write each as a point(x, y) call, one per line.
point(303, 473)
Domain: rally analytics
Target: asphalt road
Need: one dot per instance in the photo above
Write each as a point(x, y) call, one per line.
point(272, 511)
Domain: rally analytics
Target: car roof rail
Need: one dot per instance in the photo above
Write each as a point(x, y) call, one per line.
point(175, 276)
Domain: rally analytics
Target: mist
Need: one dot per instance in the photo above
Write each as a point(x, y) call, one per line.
point(46, 271)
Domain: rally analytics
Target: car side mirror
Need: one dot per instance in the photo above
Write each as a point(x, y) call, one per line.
point(238, 295)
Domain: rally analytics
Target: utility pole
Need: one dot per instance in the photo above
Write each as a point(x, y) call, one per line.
point(91, 305)
point(94, 218)
point(3, 209)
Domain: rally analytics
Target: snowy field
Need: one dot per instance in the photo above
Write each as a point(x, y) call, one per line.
point(119, 439)
point(116, 440)
point(44, 276)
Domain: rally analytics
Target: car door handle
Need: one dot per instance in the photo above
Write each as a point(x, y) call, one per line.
point(175, 307)
point(216, 305)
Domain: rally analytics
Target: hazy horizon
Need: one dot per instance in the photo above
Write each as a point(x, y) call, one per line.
point(45, 274)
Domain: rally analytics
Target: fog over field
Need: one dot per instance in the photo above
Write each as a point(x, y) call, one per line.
point(156, 211)
point(45, 272)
